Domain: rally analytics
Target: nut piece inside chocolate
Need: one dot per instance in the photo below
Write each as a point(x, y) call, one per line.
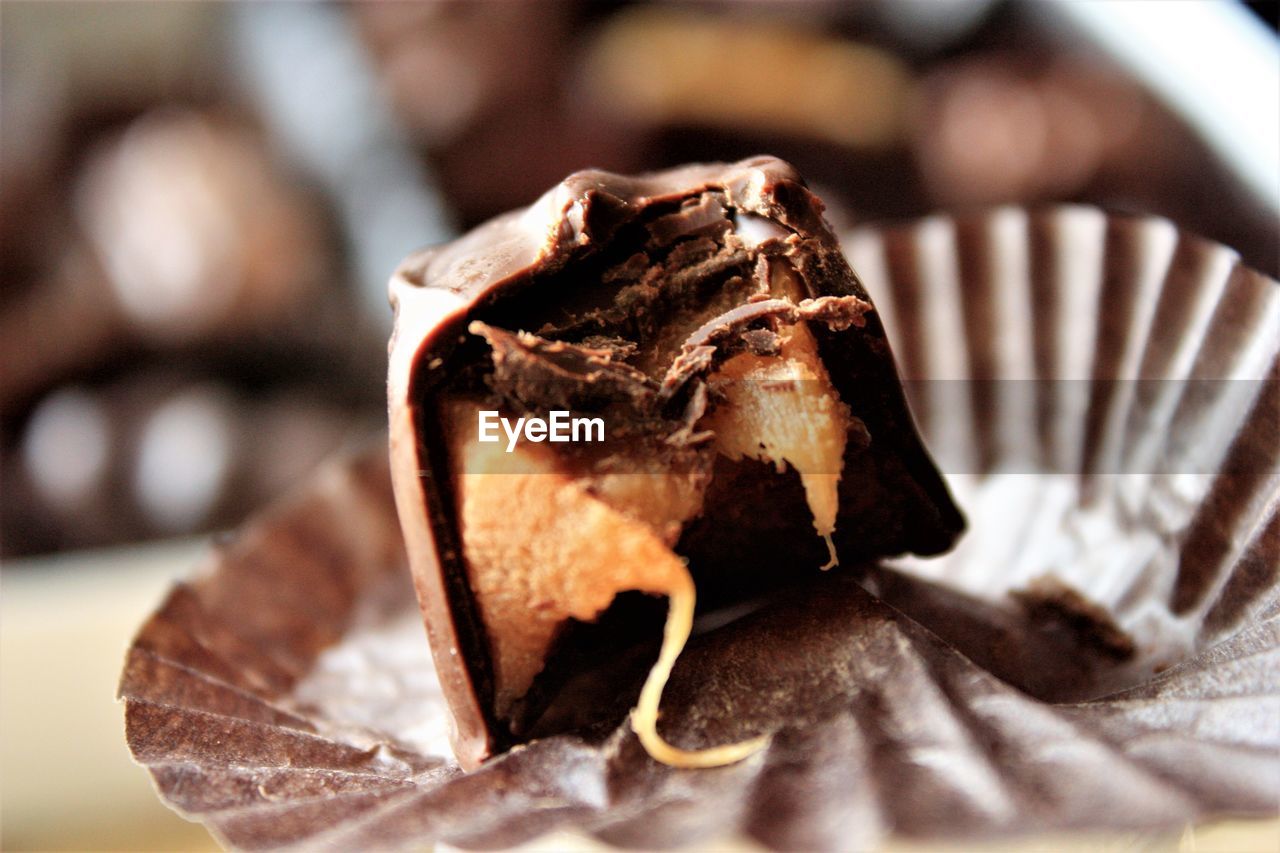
point(753, 426)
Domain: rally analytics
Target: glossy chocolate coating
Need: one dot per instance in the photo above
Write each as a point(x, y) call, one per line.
point(524, 255)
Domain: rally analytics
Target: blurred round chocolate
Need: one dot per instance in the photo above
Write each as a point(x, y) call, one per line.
point(666, 65)
point(198, 231)
point(66, 447)
point(995, 128)
point(184, 458)
point(982, 135)
point(159, 453)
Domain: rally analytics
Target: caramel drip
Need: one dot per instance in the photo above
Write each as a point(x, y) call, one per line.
point(644, 718)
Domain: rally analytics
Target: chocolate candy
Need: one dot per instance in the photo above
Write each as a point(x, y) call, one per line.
point(158, 453)
point(753, 432)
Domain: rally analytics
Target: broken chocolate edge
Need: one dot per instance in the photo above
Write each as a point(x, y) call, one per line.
point(436, 293)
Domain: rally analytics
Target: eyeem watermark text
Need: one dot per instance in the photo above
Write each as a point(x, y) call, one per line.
point(559, 426)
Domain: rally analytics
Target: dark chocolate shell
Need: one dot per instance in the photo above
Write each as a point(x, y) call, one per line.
point(564, 250)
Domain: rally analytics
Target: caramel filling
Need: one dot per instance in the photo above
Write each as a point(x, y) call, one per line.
point(784, 410)
point(544, 546)
point(542, 549)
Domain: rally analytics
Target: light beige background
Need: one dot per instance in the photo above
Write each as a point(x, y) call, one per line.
point(66, 779)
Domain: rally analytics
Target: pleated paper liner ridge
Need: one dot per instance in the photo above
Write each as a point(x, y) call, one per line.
point(1101, 652)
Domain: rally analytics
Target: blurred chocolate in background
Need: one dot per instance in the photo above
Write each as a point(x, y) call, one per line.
point(200, 203)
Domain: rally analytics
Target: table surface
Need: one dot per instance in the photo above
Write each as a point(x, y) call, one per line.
point(68, 781)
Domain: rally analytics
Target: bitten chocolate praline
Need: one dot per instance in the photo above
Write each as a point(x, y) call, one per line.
point(756, 428)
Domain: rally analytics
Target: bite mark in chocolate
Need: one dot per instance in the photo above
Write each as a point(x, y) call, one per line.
point(708, 313)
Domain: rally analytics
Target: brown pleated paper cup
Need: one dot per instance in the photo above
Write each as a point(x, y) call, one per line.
point(1101, 652)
